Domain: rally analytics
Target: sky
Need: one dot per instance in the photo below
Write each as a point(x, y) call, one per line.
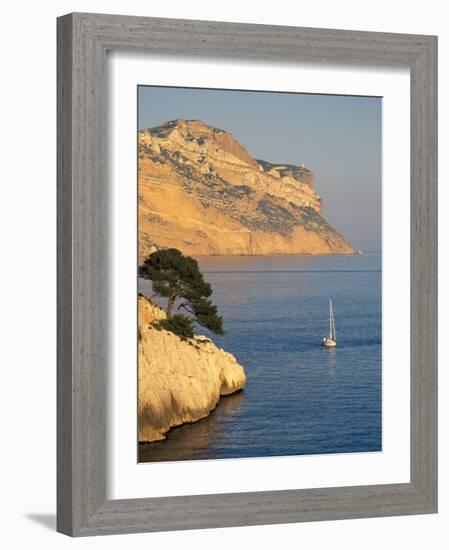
point(337, 137)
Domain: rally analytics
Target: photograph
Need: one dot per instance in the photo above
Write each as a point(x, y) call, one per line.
point(259, 274)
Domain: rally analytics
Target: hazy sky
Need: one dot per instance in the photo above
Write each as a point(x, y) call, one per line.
point(337, 137)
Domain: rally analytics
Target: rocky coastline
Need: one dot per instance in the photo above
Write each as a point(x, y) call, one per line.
point(179, 381)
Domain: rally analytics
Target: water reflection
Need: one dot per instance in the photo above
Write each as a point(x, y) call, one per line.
point(330, 359)
point(191, 441)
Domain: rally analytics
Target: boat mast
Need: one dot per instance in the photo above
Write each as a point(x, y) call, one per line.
point(332, 334)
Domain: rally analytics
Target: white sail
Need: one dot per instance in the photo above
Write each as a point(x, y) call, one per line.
point(332, 334)
point(330, 319)
point(330, 341)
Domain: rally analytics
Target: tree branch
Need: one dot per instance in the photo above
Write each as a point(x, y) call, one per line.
point(187, 307)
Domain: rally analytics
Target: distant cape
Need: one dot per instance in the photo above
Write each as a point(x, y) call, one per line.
point(202, 192)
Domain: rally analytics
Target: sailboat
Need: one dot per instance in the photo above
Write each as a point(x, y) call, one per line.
point(330, 341)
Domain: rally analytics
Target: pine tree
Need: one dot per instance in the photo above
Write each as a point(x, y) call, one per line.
point(178, 278)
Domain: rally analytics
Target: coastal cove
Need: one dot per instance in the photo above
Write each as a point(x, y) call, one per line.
point(299, 398)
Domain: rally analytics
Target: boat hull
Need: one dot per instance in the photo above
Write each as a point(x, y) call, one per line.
point(329, 343)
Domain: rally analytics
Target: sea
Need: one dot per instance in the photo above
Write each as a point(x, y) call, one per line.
point(300, 398)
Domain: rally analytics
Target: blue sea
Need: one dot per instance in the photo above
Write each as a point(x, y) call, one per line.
point(300, 398)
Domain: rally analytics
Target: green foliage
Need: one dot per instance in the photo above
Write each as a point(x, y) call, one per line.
point(181, 325)
point(174, 275)
point(205, 314)
point(177, 277)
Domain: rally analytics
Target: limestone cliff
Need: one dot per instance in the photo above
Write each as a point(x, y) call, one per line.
point(179, 381)
point(201, 191)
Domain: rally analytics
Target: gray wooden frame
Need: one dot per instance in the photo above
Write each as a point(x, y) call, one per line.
point(83, 40)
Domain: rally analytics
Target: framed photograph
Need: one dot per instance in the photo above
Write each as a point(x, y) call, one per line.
point(247, 280)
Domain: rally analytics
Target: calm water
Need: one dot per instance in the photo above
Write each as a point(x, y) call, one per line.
point(300, 398)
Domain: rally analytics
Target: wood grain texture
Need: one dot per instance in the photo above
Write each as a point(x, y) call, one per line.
point(83, 40)
point(64, 278)
point(423, 289)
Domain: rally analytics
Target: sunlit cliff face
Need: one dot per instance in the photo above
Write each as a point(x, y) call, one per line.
point(201, 191)
point(179, 381)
